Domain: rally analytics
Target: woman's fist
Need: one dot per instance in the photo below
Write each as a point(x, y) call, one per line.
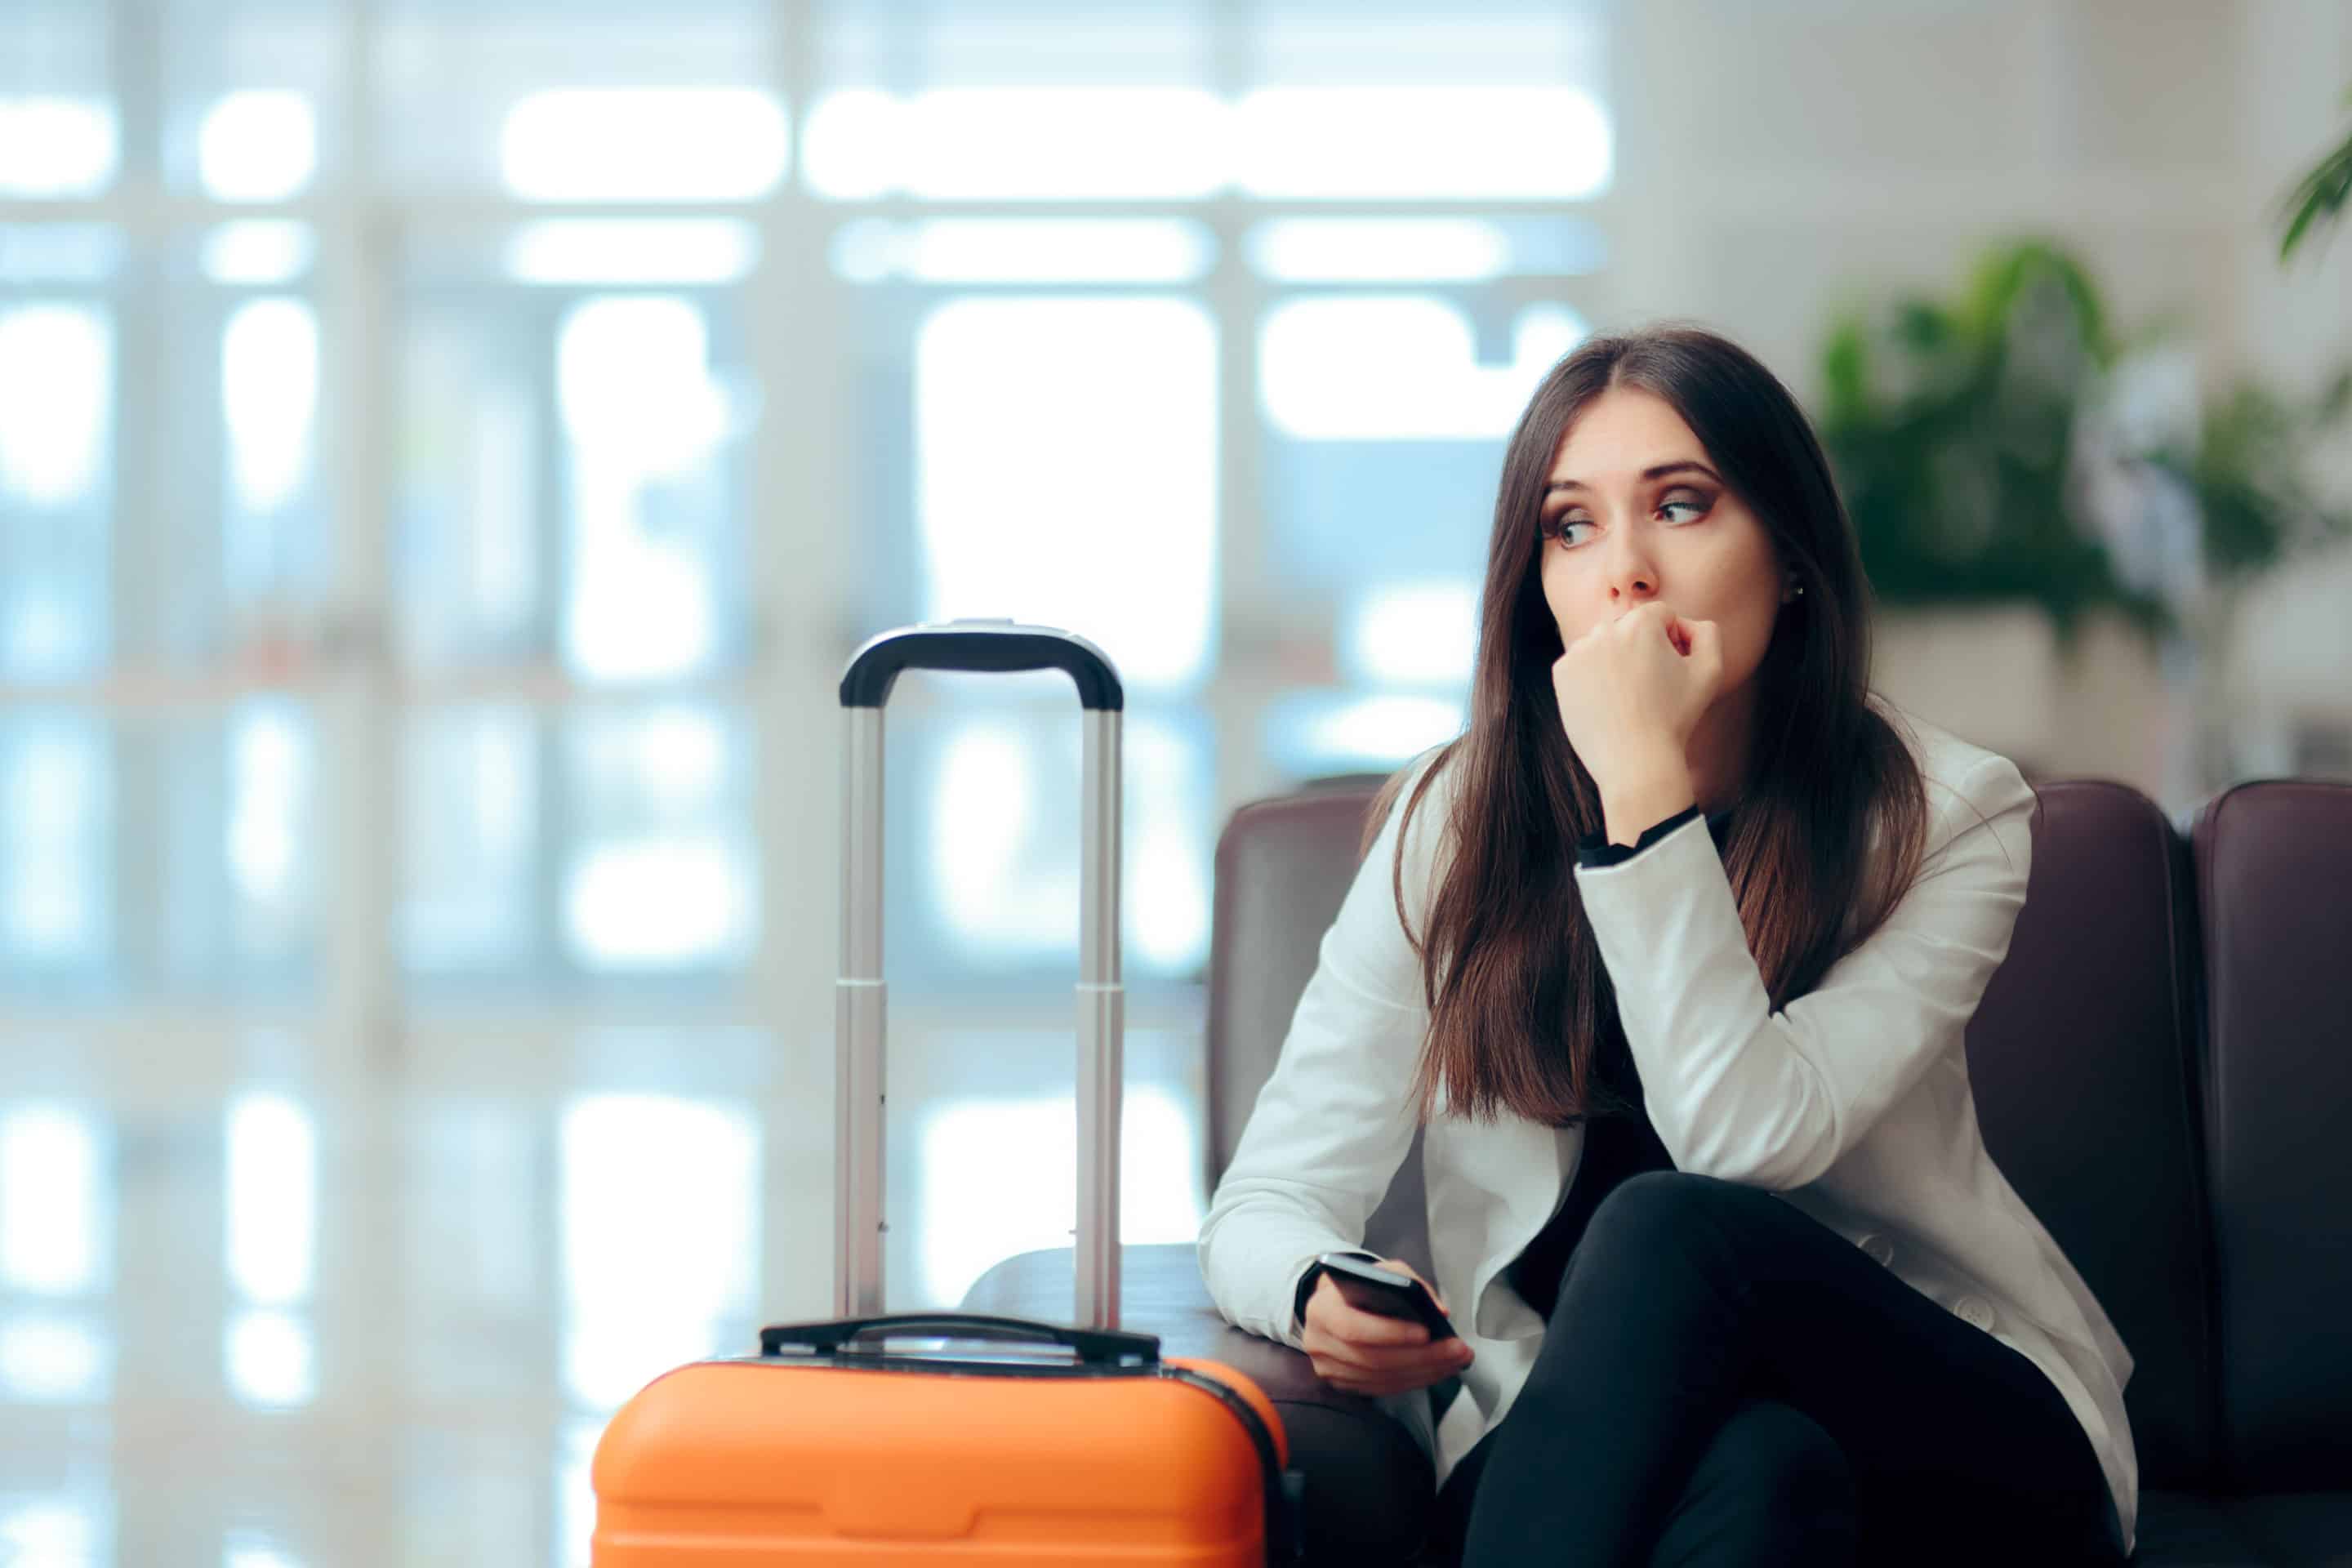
point(1366, 1354)
point(1632, 689)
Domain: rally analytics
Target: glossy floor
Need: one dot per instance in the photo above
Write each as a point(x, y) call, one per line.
point(260, 1307)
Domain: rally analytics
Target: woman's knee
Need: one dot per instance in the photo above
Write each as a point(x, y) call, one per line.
point(1655, 1237)
point(1654, 1205)
point(1771, 1486)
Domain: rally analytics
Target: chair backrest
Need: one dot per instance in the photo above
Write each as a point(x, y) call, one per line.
point(1283, 869)
point(2084, 1061)
point(2273, 866)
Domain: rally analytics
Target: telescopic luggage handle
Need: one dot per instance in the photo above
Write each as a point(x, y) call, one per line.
point(861, 998)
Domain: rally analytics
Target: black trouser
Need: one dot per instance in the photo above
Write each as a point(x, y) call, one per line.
point(1725, 1380)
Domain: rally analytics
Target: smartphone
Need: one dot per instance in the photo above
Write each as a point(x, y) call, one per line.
point(1385, 1293)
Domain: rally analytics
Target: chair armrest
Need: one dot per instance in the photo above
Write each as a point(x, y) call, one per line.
point(1160, 1292)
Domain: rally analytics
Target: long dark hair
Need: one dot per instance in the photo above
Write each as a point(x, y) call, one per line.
point(1522, 1015)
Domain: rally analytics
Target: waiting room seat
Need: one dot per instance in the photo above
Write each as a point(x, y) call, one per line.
point(2162, 1067)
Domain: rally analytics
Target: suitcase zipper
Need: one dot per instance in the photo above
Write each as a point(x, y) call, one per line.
point(1284, 1538)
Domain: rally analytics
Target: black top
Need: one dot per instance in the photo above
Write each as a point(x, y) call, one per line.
point(1594, 849)
point(1615, 1147)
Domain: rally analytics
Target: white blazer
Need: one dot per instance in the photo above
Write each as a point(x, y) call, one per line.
point(1853, 1103)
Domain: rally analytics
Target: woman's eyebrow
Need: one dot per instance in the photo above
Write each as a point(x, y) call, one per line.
point(1660, 473)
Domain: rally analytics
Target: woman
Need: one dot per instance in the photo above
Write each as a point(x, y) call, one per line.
point(1670, 957)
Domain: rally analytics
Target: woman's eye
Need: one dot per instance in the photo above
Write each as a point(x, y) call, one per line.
point(1692, 505)
point(1561, 526)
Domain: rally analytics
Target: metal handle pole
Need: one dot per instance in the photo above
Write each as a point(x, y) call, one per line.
point(1102, 1021)
point(861, 1005)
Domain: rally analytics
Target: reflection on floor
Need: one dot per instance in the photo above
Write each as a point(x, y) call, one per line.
point(265, 1310)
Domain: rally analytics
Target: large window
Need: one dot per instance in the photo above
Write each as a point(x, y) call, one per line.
point(1205, 348)
point(448, 452)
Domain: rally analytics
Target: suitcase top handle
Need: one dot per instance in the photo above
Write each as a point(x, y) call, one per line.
point(1098, 1346)
point(982, 646)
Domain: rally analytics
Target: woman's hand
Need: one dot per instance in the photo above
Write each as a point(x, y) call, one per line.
point(1366, 1354)
point(1632, 690)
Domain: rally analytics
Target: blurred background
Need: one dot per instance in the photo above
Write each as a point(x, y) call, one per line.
point(448, 451)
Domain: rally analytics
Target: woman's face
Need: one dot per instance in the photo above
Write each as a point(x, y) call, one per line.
point(1633, 512)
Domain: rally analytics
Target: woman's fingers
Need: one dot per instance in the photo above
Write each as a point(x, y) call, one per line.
point(1341, 1346)
point(1390, 1357)
point(1391, 1368)
point(1356, 1380)
point(1415, 1273)
point(1365, 1352)
point(1371, 1329)
point(1706, 645)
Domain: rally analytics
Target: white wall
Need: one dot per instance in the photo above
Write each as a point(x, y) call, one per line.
point(1777, 158)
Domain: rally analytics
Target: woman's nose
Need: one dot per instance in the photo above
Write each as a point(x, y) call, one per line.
point(1631, 575)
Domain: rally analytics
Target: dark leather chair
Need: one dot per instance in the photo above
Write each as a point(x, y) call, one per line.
point(2163, 1069)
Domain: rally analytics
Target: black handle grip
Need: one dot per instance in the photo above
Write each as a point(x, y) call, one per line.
point(985, 646)
point(1107, 1347)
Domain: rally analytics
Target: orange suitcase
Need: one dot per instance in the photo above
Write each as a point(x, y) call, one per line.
point(947, 1438)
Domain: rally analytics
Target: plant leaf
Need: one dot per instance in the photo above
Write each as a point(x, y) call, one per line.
point(2318, 198)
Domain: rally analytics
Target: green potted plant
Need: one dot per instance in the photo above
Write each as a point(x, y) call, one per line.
point(1969, 434)
point(2249, 477)
point(2318, 199)
point(2247, 473)
point(1954, 428)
